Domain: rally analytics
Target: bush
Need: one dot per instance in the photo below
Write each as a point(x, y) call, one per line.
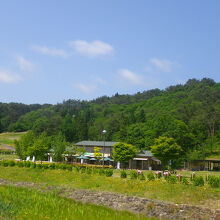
point(52, 166)
point(69, 167)
point(89, 170)
point(198, 181)
point(11, 163)
point(77, 168)
point(172, 179)
point(133, 174)
point(39, 166)
point(45, 166)
point(109, 172)
point(33, 165)
point(101, 171)
point(150, 176)
point(27, 163)
point(185, 181)
point(5, 163)
point(20, 164)
point(214, 181)
point(123, 174)
point(141, 176)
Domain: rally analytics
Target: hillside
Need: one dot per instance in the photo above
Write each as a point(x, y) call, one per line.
point(190, 113)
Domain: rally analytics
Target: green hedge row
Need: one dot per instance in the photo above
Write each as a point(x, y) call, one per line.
point(59, 166)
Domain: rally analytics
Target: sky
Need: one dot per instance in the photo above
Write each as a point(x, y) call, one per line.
point(56, 50)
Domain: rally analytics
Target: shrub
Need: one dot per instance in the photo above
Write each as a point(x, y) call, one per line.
point(214, 181)
point(172, 179)
point(5, 163)
point(185, 181)
point(158, 174)
point(109, 172)
point(89, 170)
point(77, 168)
point(141, 176)
point(150, 176)
point(27, 163)
point(52, 166)
point(11, 163)
point(45, 166)
point(33, 165)
point(198, 181)
point(39, 166)
point(133, 174)
point(69, 167)
point(20, 164)
point(123, 174)
point(101, 172)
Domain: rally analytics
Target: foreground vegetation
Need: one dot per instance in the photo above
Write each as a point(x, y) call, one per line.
point(156, 189)
point(20, 203)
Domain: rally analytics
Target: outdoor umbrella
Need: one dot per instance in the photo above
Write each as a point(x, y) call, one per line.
point(83, 157)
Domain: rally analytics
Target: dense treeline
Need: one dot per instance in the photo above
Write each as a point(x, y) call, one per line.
point(189, 113)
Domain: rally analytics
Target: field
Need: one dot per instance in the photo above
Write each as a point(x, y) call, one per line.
point(158, 189)
point(9, 137)
point(21, 203)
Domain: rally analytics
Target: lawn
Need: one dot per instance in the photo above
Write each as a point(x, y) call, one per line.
point(21, 203)
point(9, 137)
point(158, 189)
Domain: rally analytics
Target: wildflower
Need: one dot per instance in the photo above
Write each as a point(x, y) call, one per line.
point(139, 172)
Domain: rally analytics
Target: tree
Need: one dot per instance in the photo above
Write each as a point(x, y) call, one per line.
point(123, 152)
point(58, 145)
point(97, 153)
point(40, 147)
point(24, 144)
point(68, 128)
point(166, 149)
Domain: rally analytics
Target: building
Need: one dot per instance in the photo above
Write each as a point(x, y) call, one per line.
point(206, 164)
point(144, 159)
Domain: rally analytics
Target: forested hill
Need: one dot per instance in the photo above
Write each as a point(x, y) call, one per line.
point(190, 113)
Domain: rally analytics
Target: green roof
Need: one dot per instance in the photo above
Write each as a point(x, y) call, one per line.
point(145, 153)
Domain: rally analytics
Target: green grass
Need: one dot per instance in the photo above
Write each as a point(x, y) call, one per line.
point(9, 137)
point(158, 189)
point(20, 203)
point(8, 156)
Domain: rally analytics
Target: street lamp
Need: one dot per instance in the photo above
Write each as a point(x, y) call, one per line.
point(104, 132)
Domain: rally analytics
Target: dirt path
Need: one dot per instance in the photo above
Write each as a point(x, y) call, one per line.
point(133, 204)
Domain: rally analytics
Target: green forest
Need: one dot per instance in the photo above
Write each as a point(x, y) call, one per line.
point(188, 113)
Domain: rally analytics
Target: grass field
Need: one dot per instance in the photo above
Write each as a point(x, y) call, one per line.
point(21, 203)
point(9, 137)
point(158, 189)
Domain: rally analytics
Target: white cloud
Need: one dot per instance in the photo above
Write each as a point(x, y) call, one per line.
point(130, 76)
point(50, 51)
point(8, 77)
point(85, 88)
point(91, 49)
point(163, 64)
point(24, 64)
point(100, 81)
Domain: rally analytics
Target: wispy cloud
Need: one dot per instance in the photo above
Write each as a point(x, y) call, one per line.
point(8, 77)
point(91, 49)
point(85, 88)
point(130, 76)
point(24, 64)
point(50, 51)
point(100, 81)
point(163, 64)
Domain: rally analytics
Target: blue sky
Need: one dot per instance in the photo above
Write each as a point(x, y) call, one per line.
point(54, 50)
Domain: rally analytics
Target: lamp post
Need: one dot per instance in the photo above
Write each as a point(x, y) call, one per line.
point(104, 132)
